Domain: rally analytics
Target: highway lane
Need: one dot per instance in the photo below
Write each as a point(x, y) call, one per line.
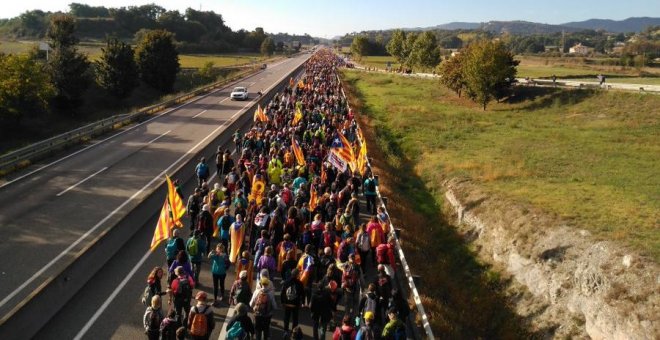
point(50, 215)
point(122, 319)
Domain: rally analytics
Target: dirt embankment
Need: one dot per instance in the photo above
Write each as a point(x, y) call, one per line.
point(564, 280)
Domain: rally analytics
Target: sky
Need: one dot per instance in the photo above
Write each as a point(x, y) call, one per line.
point(326, 19)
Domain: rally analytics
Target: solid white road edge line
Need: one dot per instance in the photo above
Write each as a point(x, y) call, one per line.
point(81, 182)
point(114, 294)
point(113, 136)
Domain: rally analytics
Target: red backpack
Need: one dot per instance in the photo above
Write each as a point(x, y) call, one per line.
point(381, 254)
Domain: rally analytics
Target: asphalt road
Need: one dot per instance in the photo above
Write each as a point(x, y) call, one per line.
point(51, 211)
point(109, 306)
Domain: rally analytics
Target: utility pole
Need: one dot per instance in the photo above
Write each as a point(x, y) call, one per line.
point(563, 41)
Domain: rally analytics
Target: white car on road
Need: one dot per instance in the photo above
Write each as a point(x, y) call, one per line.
point(239, 93)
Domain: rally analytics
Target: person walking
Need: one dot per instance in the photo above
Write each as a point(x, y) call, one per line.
point(202, 172)
point(219, 265)
point(193, 207)
point(153, 316)
point(196, 248)
point(154, 285)
point(245, 325)
point(291, 296)
point(174, 245)
point(263, 303)
point(369, 329)
point(395, 329)
point(205, 224)
point(322, 310)
point(370, 185)
point(183, 262)
point(200, 322)
point(169, 325)
point(240, 290)
point(181, 293)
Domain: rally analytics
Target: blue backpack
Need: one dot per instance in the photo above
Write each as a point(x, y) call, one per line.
point(171, 249)
point(235, 331)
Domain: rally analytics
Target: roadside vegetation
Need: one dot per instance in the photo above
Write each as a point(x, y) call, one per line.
point(589, 157)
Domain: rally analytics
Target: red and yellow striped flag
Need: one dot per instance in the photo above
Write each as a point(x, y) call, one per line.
point(259, 114)
point(313, 198)
point(297, 151)
point(361, 161)
point(297, 116)
point(176, 203)
point(324, 175)
point(163, 227)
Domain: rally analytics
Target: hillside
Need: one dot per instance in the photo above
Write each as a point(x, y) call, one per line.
point(622, 26)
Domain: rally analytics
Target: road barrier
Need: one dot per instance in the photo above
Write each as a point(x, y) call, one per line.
point(36, 309)
point(25, 156)
point(410, 278)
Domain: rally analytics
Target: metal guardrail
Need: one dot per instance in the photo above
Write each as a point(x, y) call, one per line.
point(404, 264)
point(23, 157)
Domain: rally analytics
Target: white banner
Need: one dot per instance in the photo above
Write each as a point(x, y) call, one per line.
point(336, 161)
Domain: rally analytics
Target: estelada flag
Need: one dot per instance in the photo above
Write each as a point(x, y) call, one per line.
point(163, 227)
point(313, 198)
point(176, 203)
point(297, 151)
point(344, 150)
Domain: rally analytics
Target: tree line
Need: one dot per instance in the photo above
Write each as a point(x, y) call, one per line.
point(195, 31)
point(30, 85)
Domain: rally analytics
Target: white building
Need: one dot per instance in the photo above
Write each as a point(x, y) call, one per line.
point(580, 49)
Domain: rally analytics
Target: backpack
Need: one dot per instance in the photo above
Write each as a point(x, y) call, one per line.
point(345, 335)
point(199, 325)
point(400, 333)
point(349, 276)
point(381, 254)
point(147, 295)
point(184, 290)
point(262, 304)
point(369, 304)
point(202, 170)
point(168, 329)
point(171, 249)
point(243, 293)
point(363, 242)
point(371, 186)
point(154, 320)
point(193, 247)
point(291, 292)
point(235, 331)
point(367, 333)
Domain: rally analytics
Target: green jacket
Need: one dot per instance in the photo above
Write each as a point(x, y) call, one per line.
point(391, 326)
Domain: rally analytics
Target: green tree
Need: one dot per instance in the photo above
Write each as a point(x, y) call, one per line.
point(489, 71)
point(116, 70)
point(268, 47)
point(451, 73)
point(62, 31)
point(24, 87)
point(396, 46)
point(424, 52)
point(359, 46)
point(67, 67)
point(157, 59)
point(407, 49)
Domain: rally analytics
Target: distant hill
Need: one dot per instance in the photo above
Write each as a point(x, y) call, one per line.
point(457, 26)
point(526, 27)
point(622, 26)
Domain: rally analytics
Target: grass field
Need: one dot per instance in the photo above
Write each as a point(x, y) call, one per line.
point(93, 51)
point(590, 157)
